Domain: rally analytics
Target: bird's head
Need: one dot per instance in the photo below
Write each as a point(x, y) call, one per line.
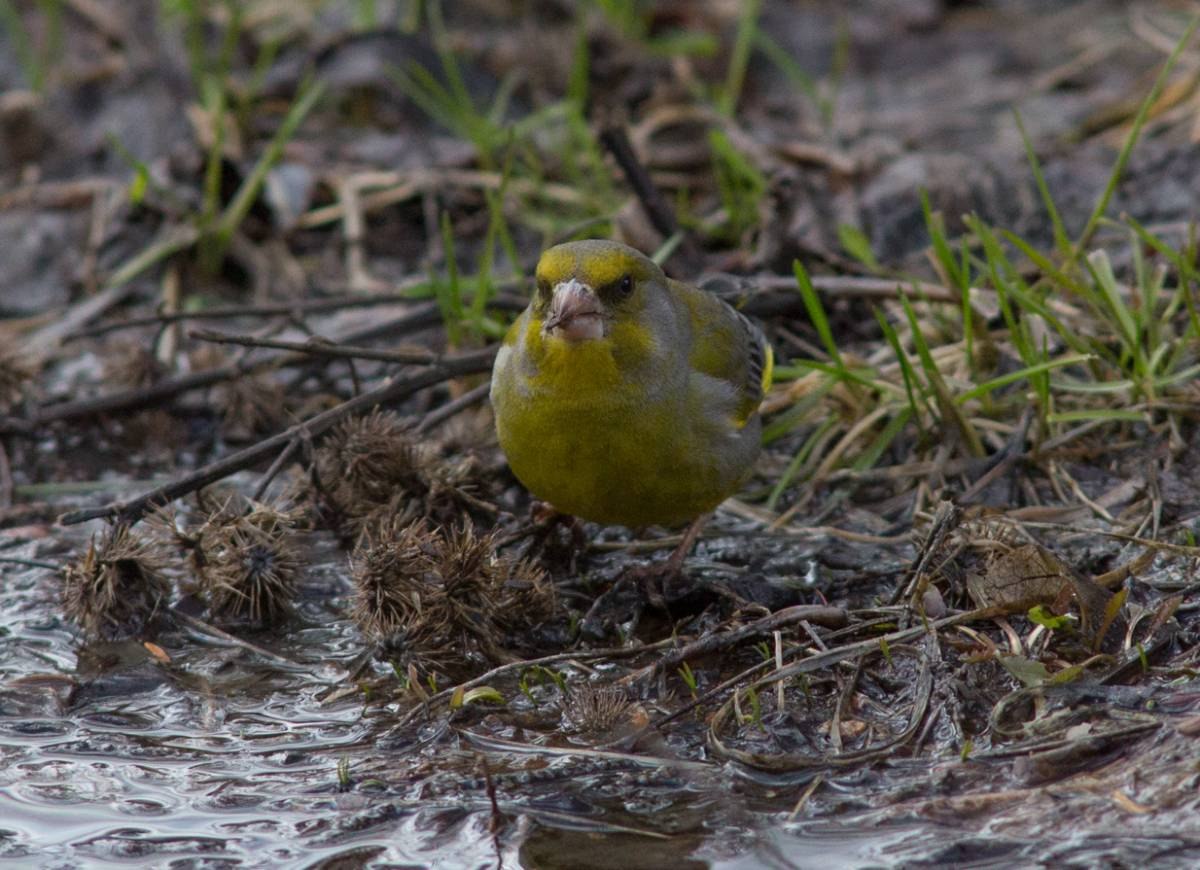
point(584, 287)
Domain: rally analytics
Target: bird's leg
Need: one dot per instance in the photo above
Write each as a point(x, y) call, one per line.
point(546, 521)
point(656, 579)
point(641, 585)
point(690, 535)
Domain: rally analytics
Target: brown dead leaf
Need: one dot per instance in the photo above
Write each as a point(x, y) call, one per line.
point(847, 727)
point(157, 651)
point(1017, 577)
point(1128, 804)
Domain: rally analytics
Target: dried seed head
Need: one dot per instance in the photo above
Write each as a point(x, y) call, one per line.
point(526, 597)
point(468, 567)
point(590, 708)
point(368, 470)
point(443, 595)
point(373, 456)
point(15, 375)
point(117, 588)
point(390, 567)
point(131, 364)
point(251, 404)
point(247, 563)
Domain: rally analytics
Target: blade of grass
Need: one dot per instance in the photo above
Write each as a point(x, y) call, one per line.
point(887, 435)
point(449, 291)
point(839, 374)
point(786, 421)
point(237, 208)
point(933, 376)
point(911, 386)
point(1021, 374)
point(1121, 316)
point(1106, 414)
point(816, 313)
point(941, 247)
point(1061, 240)
point(786, 64)
point(802, 456)
point(1135, 133)
point(739, 56)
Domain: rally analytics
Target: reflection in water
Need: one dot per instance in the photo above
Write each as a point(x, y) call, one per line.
point(224, 754)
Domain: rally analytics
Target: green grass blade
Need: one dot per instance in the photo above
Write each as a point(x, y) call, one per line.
point(935, 226)
point(816, 313)
point(802, 456)
point(739, 56)
point(1061, 240)
point(237, 208)
point(911, 386)
point(883, 440)
point(1135, 133)
point(1021, 374)
point(449, 292)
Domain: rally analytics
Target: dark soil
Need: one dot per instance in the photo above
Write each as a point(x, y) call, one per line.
point(362, 645)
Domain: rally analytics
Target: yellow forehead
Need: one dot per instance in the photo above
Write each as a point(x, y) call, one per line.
point(595, 263)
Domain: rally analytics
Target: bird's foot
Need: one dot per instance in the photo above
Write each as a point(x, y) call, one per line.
point(554, 538)
point(658, 584)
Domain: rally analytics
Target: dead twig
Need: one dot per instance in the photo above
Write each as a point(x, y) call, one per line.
point(320, 347)
point(661, 215)
point(276, 467)
point(133, 510)
point(617, 652)
point(922, 691)
point(829, 617)
point(448, 410)
point(212, 631)
point(6, 479)
point(226, 312)
point(499, 744)
point(421, 317)
point(124, 401)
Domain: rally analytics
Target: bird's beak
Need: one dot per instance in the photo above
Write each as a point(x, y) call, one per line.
point(575, 313)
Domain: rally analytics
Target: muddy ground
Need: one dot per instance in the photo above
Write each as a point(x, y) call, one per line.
point(281, 605)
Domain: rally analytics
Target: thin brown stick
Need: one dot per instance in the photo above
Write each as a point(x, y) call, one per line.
point(6, 479)
point(863, 288)
point(709, 695)
point(133, 510)
point(211, 630)
point(401, 294)
point(226, 312)
point(420, 317)
point(46, 338)
point(617, 652)
point(448, 410)
point(829, 617)
point(661, 215)
point(276, 467)
point(319, 347)
point(125, 400)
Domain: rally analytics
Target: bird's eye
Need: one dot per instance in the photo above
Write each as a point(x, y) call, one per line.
point(625, 286)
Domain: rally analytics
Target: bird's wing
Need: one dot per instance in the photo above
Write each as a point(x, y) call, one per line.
point(727, 346)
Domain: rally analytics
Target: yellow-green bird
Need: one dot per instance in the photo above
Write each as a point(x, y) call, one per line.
point(625, 397)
